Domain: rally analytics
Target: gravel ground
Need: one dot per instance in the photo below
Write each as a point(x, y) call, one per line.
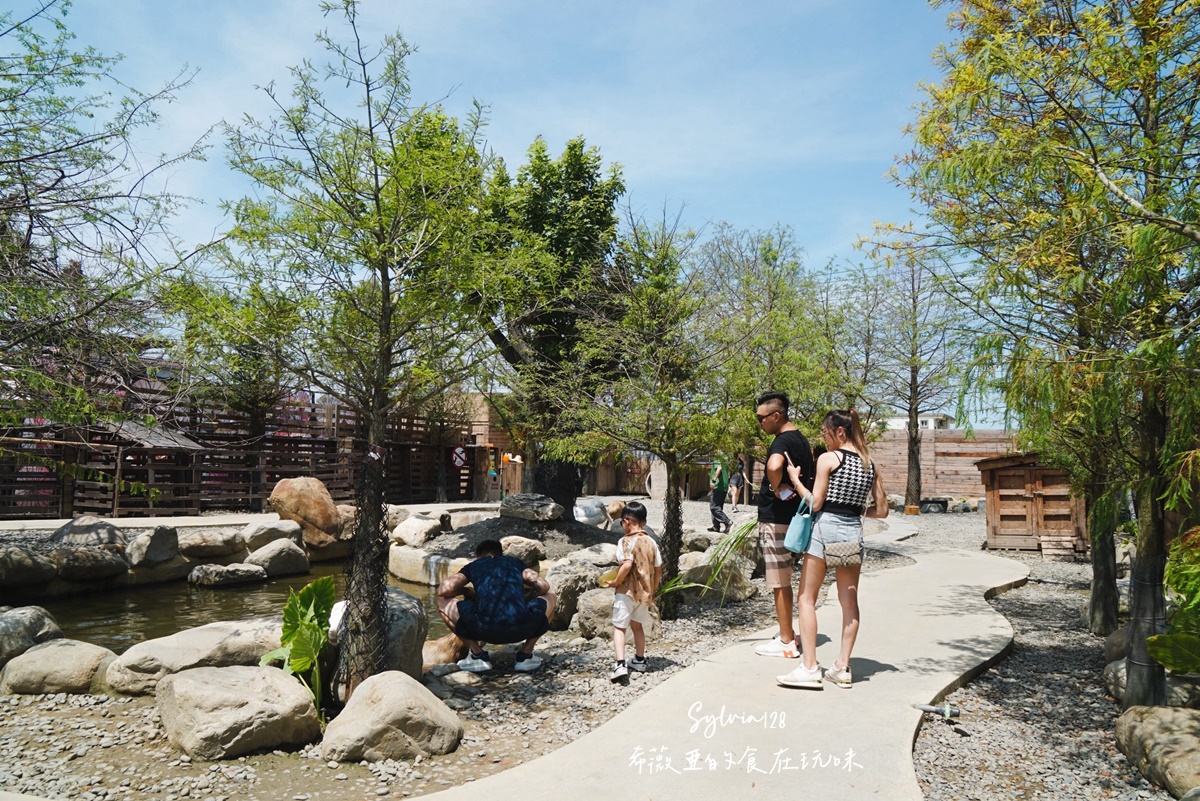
point(1037, 726)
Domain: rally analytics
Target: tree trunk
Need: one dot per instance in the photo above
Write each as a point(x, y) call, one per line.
point(671, 538)
point(560, 481)
point(1103, 604)
point(364, 640)
point(912, 490)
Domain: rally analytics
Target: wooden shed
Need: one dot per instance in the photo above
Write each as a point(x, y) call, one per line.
point(1030, 507)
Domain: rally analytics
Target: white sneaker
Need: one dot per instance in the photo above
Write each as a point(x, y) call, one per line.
point(619, 672)
point(807, 678)
point(636, 665)
point(475, 664)
point(840, 676)
point(776, 647)
point(533, 662)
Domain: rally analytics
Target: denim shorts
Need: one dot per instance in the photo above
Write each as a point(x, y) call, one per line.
point(832, 527)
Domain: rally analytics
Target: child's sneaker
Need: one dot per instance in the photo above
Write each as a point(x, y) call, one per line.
point(807, 678)
point(525, 663)
point(476, 664)
point(619, 672)
point(776, 647)
point(637, 665)
point(839, 676)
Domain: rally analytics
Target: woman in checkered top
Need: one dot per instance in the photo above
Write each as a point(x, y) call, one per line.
point(846, 481)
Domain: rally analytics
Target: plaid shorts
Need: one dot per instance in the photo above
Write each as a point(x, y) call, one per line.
point(778, 559)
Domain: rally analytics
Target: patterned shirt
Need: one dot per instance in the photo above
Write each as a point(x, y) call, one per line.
point(849, 485)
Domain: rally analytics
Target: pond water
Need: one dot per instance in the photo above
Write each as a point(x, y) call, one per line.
point(122, 618)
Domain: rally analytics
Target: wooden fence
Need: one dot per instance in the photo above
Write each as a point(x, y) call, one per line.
point(947, 460)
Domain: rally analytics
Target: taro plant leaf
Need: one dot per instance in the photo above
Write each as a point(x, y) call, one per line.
point(282, 655)
point(319, 597)
point(306, 645)
point(1178, 653)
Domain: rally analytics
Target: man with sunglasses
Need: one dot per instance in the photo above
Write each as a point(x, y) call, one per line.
point(778, 502)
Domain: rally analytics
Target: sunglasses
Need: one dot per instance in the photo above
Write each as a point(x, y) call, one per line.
point(762, 417)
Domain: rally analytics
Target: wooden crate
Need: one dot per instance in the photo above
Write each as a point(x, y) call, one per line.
point(1030, 507)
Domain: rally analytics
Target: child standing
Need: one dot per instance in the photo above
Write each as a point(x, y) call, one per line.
point(638, 575)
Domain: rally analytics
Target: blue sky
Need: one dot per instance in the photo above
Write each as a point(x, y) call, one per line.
point(755, 113)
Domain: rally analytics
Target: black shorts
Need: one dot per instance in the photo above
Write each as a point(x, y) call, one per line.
point(736, 481)
point(472, 628)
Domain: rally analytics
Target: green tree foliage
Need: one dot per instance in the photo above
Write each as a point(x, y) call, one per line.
point(80, 217)
point(1058, 154)
point(546, 261)
point(362, 221)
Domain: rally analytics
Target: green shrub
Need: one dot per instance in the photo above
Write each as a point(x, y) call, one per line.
point(1178, 649)
point(305, 634)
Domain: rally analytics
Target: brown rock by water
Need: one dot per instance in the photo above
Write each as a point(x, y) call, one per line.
point(308, 502)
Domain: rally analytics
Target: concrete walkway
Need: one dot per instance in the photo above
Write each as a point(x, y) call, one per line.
point(724, 729)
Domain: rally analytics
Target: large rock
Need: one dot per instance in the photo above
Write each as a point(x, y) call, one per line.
point(603, 554)
point(529, 551)
point(280, 558)
point(699, 540)
point(470, 517)
point(1182, 690)
point(726, 581)
point(155, 547)
point(256, 535)
point(89, 563)
point(222, 713)
point(226, 575)
point(88, 531)
point(206, 543)
point(595, 617)
point(308, 502)
point(24, 627)
point(234, 642)
point(530, 506)
point(391, 716)
point(395, 516)
point(1163, 744)
point(416, 530)
point(57, 666)
point(349, 515)
point(22, 567)
point(591, 511)
point(569, 580)
point(1116, 645)
point(407, 627)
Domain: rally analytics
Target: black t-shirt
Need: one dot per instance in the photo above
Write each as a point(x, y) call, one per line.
point(770, 508)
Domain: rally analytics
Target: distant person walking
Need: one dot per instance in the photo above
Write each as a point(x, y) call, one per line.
point(778, 501)
point(736, 482)
point(718, 485)
point(846, 481)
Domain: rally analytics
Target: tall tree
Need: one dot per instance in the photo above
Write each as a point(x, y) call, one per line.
point(362, 219)
point(1060, 153)
point(546, 260)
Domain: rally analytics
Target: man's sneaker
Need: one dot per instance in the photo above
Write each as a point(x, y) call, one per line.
point(476, 664)
point(808, 678)
point(637, 665)
point(839, 676)
point(619, 672)
point(527, 662)
point(776, 647)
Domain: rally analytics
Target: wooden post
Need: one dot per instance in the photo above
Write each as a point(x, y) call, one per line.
point(116, 504)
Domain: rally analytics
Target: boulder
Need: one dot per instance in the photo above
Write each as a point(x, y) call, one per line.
point(391, 716)
point(155, 547)
point(233, 642)
point(1182, 690)
point(24, 627)
point(470, 517)
point(308, 502)
point(89, 563)
point(699, 540)
point(595, 617)
point(57, 666)
point(1116, 645)
point(88, 531)
point(529, 551)
point(256, 535)
point(174, 570)
point(407, 627)
point(22, 567)
point(222, 713)
point(416, 530)
point(206, 543)
point(442, 651)
point(602, 554)
point(530, 506)
point(591, 511)
point(279, 558)
point(225, 575)
point(395, 516)
point(728, 582)
point(895, 502)
point(569, 580)
point(1163, 744)
point(348, 515)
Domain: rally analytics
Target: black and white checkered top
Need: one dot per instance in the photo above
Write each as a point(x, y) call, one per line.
point(849, 485)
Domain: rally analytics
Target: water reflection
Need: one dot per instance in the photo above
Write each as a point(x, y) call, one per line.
point(120, 619)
